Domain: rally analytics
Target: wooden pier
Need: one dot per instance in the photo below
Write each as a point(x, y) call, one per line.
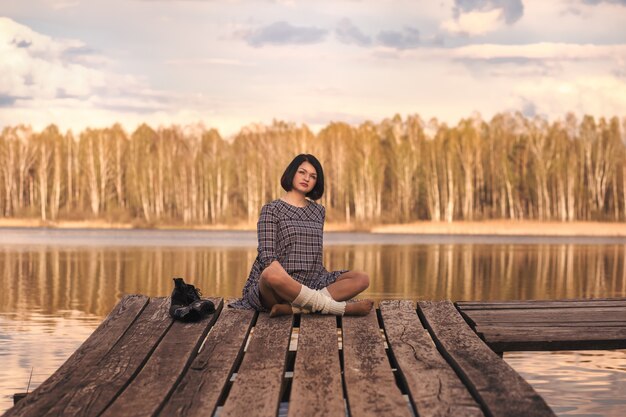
point(430, 358)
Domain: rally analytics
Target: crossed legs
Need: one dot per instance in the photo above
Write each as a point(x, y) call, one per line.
point(279, 290)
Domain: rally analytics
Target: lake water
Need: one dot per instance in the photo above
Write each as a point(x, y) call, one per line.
point(57, 285)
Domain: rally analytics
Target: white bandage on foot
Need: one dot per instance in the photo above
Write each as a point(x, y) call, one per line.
point(318, 302)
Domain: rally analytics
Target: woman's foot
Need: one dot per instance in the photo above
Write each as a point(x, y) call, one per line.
point(359, 308)
point(281, 310)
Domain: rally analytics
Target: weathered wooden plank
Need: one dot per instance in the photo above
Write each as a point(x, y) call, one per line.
point(492, 381)
point(316, 389)
point(199, 391)
point(545, 338)
point(548, 310)
point(564, 333)
point(531, 304)
point(370, 384)
point(608, 315)
point(257, 388)
point(539, 325)
point(106, 378)
point(553, 345)
point(157, 378)
point(434, 387)
point(71, 372)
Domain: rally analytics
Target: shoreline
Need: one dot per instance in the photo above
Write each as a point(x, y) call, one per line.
point(471, 228)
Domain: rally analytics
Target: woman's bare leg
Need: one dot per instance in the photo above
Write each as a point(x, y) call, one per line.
point(276, 286)
point(348, 285)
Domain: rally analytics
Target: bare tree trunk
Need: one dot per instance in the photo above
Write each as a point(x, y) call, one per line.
point(119, 183)
point(104, 170)
point(560, 190)
point(8, 170)
point(69, 205)
point(42, 172)
point(624, 191)
point(92, 179)
point(450, 194)
point(56, 184)
point(220, 195)
point(194, 193)
point(213, 196)
point(434, 195)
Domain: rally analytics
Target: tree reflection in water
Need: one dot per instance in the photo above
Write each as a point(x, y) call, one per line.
point(53, 296)
point(53, 280)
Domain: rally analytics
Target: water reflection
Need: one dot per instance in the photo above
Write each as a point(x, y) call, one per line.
point(53, 280)
point(54, 296)
point(581, 383)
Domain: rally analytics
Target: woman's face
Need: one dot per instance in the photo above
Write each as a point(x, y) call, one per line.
point(305, 178)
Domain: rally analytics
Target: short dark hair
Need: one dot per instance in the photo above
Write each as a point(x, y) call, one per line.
point(287, 179)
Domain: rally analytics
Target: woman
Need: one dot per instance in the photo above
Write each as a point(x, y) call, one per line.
point(288, 275)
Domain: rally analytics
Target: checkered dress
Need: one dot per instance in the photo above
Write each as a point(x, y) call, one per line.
point(294, 237)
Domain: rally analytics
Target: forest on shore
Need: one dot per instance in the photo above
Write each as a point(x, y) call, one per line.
point(396, 171)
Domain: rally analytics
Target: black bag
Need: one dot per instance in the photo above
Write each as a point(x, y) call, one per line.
point(186, 304)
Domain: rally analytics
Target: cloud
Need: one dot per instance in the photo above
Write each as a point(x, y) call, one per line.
point(7, 100)
point(598, 95)
point(228, 62)
point(408, 38)
point(596, 2)
point(517, 54)
point(477, 17)
point(42, 78)
point(528, 108)
point(63, 4)
point(512, 10)
point(282, 33)
point(35, 65)
point(540, 51)
point(346, 32)
point(474, 23)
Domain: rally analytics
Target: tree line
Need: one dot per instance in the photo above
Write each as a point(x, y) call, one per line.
point(399, 170)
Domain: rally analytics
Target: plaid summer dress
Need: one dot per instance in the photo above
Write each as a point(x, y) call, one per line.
point(294, 237)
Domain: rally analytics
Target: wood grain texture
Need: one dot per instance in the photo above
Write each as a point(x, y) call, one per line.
point(257, 388)
point(72, 371)
point(370, 384)
point(558, 325)
point(502, 392)
point(549, 325)
point(149, 389)
point(106, 378)
point(434, 387)
point(555, 315)
point(197, 394)
point(316, 389)
point(553, 338)
point(532, 304)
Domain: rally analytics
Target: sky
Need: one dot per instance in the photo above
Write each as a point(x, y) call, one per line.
point(228, 64)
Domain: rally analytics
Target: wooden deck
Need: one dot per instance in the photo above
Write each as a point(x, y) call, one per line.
point(548, 325)
point(404, 359)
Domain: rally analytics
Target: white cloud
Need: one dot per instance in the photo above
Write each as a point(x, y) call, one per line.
point(202, 71)
point(46, 80)
point(63, 4)
point(537, 53)
point(35, 66)
point(596, 95)
point(475, 23)
point(211, 61)
point(542, 50)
